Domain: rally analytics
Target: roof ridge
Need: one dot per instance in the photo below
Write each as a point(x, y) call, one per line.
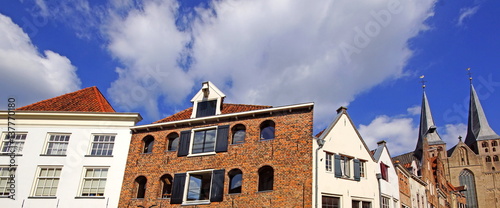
point(35, 103)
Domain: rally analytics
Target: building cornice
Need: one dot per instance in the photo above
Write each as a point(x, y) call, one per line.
point(57, 115)
point(223, 116)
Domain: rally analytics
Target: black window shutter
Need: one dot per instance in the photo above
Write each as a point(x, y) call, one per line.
point(217, 192)
point(357, 170)
point(178, 188)
point(184, 143)
point(338, 171)
point(222, 137)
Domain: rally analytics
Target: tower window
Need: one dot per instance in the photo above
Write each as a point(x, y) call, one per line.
point(239, 133)
point(173, 141)
point(148, 144)
point(235, 181)
point(266, 178)
point(267, 130)
point(140, 183)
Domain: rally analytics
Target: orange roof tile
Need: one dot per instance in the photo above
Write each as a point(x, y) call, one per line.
point(226, 109)
point(89, 99)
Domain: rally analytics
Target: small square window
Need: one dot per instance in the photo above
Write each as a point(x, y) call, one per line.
point(94, 181)
point(57, 144)
point(204, 141)
point(330, 202)
point(16, 145)
point(4, 180)
point(102, 145)
point(206, 108)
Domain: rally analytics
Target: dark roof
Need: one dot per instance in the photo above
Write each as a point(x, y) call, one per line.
point(226, 109)
point(478, 127)
point(405, 159)
point(89, 99)
point(426, 123)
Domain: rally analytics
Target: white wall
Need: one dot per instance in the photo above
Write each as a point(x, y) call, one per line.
point(343, 139)
point(389, 188)
point(73, 163)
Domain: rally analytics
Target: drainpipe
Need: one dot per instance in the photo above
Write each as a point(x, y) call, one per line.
point(379, 177)
point(320, 142)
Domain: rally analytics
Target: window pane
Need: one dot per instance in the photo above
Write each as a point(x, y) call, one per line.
point(103, 145)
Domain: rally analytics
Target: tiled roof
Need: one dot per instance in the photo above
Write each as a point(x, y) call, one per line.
point(404, 159)
point(320, 133)
point(89, 99)
point(226, 109)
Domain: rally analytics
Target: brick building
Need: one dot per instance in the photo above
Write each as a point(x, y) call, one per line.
point(222, 155)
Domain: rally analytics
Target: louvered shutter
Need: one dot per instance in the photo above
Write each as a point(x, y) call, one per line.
point(178, 188)
point(184, 143)
point(338, 170)
point(357, 170)
point(217, 192)
point(222, 137)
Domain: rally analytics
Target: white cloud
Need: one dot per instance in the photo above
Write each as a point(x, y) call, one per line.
point(466, 13)
point(28, 75)
point(451, 133)
point(414, 110)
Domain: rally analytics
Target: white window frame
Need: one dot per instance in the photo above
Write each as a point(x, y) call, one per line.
point(5, 142)
point(38, 177)
point(346, 166)
point(329, 162)
point(48, 142)
point(186, 188)
point(92, 142)
point(362, 168)
point(385, 202)
point(331, 195)
point(5, 173)
point(100, 179)
point(361, 201)
point(191, 142)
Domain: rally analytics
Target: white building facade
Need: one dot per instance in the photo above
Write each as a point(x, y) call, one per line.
point(64, 159)
point(388, 177)
point(344, 169)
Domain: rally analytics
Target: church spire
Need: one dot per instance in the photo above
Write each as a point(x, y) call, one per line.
point(478, 128)
point(427, 130)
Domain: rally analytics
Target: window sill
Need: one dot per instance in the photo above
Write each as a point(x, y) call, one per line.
point(202, 154)
point(53, 155)
point(9, 154)
point(42, 197)
point(90, 197)
point(262, 139)
point(200, 202)
point(265, 191)
point(98, 156)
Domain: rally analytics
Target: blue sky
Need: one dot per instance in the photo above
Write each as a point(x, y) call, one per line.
point(151, 57)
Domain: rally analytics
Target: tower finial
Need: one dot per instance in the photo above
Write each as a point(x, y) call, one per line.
point(470, 75)
point(423, 81)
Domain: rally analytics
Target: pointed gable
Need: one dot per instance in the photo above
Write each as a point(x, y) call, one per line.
point(478, 127)
point(427, 129)
point(85, 100)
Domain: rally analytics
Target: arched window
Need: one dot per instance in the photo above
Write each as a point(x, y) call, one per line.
point(494, 143)
point(466, 178)
point(173, 141)
point(267, 130)
point(488, 159)
point(140, 185)
point(235, 181)
point(485, 144)
point(494, 149)
point(148, 144)
point(485, 149)
point(495, 158)
point(239, 133)
point(166, 186)
point(266, 178)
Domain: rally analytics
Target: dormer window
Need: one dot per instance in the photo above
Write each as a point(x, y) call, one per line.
point(208, 101)
point(206, 108)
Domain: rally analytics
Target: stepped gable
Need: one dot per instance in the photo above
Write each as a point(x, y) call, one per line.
point(227, 108)
point(89, 99)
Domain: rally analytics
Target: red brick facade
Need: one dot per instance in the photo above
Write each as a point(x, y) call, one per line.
point(289, 154)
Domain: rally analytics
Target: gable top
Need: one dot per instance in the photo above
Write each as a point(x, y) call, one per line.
point(377, 153)
point(226, 109)
point(208, 92)
point(478, 127)
point(89, 99)
point(341, 112)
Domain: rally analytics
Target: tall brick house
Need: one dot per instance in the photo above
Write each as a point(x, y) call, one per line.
point(216, 154)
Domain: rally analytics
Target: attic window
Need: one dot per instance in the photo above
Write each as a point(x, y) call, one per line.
point(206, 108)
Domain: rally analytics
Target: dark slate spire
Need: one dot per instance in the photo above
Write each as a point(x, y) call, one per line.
point(427, 129)
point(478, 128)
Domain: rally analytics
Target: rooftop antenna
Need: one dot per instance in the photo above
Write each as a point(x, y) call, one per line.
point(470, 75)
point(423, 81)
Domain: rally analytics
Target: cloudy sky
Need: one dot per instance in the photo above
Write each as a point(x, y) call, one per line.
point(151, 56)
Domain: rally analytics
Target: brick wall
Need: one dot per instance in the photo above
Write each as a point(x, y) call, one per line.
point(290, 155)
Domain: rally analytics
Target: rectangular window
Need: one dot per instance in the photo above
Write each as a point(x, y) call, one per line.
point(94, 181)
point(198, 187)
point(330, 202)
point(362, 168)
point(385, 202)
point(383, 171)
point(356, 204)
point(345, 165)
point(328, 161)
point(4, 181)
point(57, 144)
point(206, 108)
point(47, 181)
point(366, 204)
point(17, 144)
point(204, 141)
point(102, 145)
